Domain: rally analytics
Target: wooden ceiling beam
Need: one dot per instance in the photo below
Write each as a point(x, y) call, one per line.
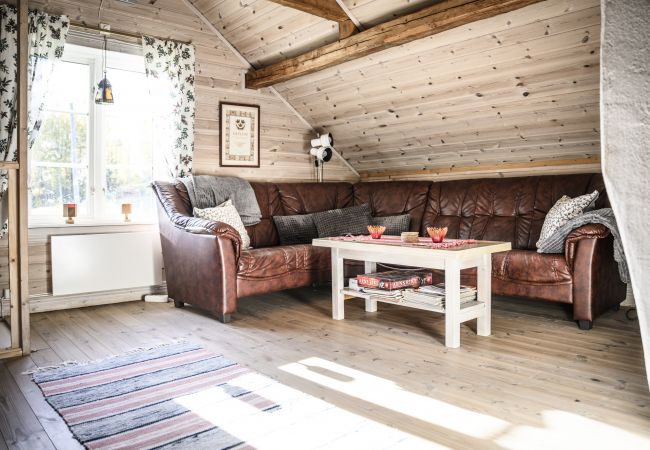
point(434, 19)
point(327, 9)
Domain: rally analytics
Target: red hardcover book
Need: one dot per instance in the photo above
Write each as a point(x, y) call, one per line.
point(395, 279)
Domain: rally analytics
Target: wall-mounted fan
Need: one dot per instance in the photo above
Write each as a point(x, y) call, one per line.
point(322, 149)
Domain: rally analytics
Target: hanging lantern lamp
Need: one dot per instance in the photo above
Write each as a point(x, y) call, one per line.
point(104, 90)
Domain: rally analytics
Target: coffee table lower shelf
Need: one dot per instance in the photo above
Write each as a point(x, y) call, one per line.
point(468, 310)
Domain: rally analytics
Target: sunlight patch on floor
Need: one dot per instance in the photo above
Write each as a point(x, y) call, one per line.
point(560, 429)
point(568, 430)
point(389, 395)
point(301, 422)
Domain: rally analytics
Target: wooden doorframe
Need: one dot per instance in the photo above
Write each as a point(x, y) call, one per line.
point(17, 232)
point(23, 217)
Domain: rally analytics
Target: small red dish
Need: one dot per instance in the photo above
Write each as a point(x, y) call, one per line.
point(437, 234)
point(376, 231)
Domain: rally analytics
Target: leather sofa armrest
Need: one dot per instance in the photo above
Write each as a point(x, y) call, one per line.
point(220, 229)
point(178, 212)
point(597, 286)
point(201, 269)
point(589, 231)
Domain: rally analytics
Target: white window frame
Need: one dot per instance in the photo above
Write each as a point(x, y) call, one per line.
point(96, 149)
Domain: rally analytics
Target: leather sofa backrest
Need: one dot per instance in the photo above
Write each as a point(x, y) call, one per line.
point(286, 199)
point(173, 197)
point(306, 198)
point(504, 209)
point(390, 198)
point(264, 234)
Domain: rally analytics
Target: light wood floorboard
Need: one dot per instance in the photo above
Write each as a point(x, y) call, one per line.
point(538, 373)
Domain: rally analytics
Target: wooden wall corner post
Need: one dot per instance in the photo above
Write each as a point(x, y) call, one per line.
point(23, 237)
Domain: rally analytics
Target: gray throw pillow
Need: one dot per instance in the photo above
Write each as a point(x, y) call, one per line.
point(565, 209)
point(339, 222)
point(296, 229)
point(395, 225)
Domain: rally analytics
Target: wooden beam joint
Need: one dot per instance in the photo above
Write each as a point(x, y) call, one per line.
point(347, 28)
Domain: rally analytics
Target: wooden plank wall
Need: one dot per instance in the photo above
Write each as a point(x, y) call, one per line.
point(284, 137)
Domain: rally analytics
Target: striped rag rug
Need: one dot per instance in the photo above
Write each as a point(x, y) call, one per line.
point(180, 396)
point(152, 398)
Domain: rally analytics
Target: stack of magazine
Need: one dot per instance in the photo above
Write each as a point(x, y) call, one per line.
point(394, 296)
point(435, 295)
point(427, 296)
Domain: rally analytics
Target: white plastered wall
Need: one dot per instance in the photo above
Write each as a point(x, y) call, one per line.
point(625, 131)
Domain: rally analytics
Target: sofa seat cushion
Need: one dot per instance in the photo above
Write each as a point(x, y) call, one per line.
point(546, 280)
point(272, 262)
point(531, 267)
point(522, 266)
point(273, 269)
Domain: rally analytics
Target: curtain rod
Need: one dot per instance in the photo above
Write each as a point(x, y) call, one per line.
point(111, 33)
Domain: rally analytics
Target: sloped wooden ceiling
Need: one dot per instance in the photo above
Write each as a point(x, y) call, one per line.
point(519, 90)
point(265, 32)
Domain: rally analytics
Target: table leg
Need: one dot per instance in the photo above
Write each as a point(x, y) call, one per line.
point(371, 305)
point(338, 310)
point(484, 294)
point(452, 304)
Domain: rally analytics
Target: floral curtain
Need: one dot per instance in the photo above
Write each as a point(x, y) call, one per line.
point(170, 69)
point(46, 40)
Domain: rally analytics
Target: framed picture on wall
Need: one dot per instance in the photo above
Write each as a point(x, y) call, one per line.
point(239, 135)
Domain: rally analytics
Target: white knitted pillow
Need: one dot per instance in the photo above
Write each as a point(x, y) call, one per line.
point(226, 213)
point(565, 209)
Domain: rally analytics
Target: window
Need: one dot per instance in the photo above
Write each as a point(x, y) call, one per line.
point(97, 156)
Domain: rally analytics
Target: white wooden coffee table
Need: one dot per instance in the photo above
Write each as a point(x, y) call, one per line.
point(389, 250)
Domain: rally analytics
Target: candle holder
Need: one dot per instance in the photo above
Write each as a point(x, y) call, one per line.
point(437, 234)
point(376, 231)
point(70, 212)
point(126, 210)
point(410, 237)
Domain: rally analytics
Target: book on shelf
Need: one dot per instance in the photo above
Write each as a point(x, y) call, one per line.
point(395, 279)
point(394, 296)
point(440, 289)
point(420, 297)
point(424, 296)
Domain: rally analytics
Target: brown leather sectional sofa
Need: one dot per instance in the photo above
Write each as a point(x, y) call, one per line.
point(211, 271)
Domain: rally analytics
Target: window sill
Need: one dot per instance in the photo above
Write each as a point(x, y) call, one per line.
point(49, 223)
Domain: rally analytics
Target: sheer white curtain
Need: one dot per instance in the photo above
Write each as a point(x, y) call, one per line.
point(170, 69)
point(45, 41)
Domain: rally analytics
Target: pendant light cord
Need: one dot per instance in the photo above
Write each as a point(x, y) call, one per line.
point(104, 58)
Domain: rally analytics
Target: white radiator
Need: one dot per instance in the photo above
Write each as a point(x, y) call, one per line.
point(104, 262)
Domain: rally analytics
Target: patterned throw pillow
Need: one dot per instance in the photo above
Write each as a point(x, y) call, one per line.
point(565, 209)
point(296, 229)
point(339, 222)
point(226, 213)
point(395, 225)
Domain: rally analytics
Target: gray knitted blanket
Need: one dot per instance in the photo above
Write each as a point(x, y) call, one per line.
point(208, 191)
point(605, 216)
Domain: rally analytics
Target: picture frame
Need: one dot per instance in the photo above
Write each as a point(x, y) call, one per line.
point(239, 137)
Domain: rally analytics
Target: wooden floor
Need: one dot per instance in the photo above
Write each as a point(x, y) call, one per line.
point(542, 381)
